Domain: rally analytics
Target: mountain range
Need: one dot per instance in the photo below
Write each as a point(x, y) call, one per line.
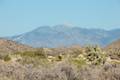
point(64, 35)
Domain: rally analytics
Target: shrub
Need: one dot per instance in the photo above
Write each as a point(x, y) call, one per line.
point(7, 58)
point(59, 58)
point(79, 62)
point(40, 52)
point(114, 53)
point(95, 55)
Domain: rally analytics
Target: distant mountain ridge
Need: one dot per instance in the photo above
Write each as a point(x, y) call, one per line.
point(64, 35)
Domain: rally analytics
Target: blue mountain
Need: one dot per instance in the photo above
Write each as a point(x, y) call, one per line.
point(64, 35)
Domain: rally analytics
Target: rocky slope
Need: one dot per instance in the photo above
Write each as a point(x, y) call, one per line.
point(114, 45)
point(8, 46)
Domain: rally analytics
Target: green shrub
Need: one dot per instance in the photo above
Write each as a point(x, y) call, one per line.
point(36, 58)
point(40, 52)
point(95, 55)
point(79, 62)
point(114, 53)
point(7, 58)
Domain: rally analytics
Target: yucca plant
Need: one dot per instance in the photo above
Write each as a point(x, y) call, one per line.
point(94, 55)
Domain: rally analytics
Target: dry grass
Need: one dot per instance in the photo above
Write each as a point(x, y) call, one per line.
point(67, 65)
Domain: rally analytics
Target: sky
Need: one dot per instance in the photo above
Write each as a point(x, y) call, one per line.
point(20, 16)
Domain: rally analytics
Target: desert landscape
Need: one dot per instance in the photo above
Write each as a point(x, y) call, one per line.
point(59, 39)
point(21, 62)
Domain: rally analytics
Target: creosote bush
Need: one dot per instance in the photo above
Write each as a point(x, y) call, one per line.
point(114, 53)
point(36, 57)
point(7, 58)
point(78, 62)
point(37, 53)
point(40, 52)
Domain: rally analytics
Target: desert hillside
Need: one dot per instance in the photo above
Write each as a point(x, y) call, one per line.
point(113, 45)
point(64, 63)
point(113, 50)
point(8, 46)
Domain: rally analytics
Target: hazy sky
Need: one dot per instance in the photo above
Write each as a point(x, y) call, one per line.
point(19, 16)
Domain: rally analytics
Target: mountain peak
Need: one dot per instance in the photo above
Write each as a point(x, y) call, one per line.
point(65, 25)
point(65, 35)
